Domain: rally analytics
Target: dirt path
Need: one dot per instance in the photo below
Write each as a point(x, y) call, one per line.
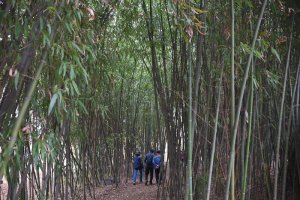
point(128, 191)
point(125, 191)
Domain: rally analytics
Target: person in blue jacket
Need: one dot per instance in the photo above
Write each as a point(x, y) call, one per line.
point(156, 165)
point(137, 166)
point(149, 166)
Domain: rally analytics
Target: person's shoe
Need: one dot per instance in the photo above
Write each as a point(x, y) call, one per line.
point(133, 183)
point(146, 182)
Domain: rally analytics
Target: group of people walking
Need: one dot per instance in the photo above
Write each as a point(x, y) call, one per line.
point(152, 162)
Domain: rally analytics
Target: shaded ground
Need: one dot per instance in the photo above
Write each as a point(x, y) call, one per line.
point(127, 191)
point(3, 189)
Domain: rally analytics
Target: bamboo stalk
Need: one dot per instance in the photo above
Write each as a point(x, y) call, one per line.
point(190, 126)
point(23, 110)
point(280, 117)
point(248, 139)
point(232, 152)
point(214, 137)
point(232, 115)
point(288, 135)
point(190, 119)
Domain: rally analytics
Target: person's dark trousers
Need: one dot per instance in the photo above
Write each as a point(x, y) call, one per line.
point(157, 175)
point(149, 169)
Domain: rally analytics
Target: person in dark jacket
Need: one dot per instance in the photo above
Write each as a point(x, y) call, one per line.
point(137, 166)
point(156, 165)
point(149, 166)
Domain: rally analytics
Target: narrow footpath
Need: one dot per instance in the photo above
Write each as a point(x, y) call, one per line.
point(128, 191)
point(125, 191)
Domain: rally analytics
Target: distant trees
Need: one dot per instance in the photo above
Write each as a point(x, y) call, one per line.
point(83, 84)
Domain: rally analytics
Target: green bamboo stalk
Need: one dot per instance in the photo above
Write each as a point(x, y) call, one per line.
point(190, 125)
point(288, 135)
point(280, 118)
point(249, 138)
point(232, 88)
point(232, 67)
point(264, 166)
point(23, 110)
point(214, 138)
point(232, 152)
point(190, 119)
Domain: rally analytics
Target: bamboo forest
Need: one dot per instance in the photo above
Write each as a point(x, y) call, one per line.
point(94, 92)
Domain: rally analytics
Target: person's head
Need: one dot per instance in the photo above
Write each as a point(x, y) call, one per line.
point(152, 150)
point(137, 153)
point(158, 151)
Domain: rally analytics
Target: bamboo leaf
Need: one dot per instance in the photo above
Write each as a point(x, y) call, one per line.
point(198, 10)
point(82, 106)
point(276, 54)
point(72, 73)
point(49, 28)
point(18, 29)
point(258, 54)
point(75, 87)
point(77, 47)
point(52, 9)
point(17, 77)
point(63, 69)
point(69, 28)
point(52, 103)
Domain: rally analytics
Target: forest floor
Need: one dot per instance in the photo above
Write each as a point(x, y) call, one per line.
point(128, 191)
point(3, 189)
point(125, 191)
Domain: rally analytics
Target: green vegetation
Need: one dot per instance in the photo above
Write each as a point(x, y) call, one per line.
point(214, 84)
